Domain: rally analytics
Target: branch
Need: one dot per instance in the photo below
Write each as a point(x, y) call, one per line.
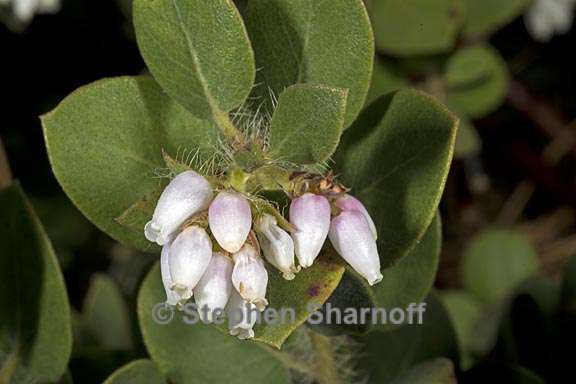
point(325, 364)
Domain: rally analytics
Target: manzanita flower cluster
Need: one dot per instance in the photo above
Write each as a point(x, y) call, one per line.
point(212, 246)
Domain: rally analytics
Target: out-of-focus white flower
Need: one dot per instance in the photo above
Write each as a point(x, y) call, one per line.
point(277, 245)
point(250, 277)
point(350, 203)
point(351, 237)
point(230, 220)
point(171, 297)
point(214, 288)
point(310, 214)
point(546, 18)
point(189, 257)
point(24, 10)
point(242, 316)
point(187, 194)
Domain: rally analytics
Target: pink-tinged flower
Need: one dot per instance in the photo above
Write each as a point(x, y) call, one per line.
point(187, 194)
point(171, 297)
point(242, 316)
point(214, 288)
point(189, 257)
point(350, 203)
point(277, 245)
point(230, 220)
point(250, 277)
point(351, 237)
point(310, 214)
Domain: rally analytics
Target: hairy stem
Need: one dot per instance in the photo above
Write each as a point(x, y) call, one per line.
point(326, 371)
point(228, 129)
point(289, 362)
point(5, 173)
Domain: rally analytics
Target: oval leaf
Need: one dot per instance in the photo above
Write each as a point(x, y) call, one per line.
point(386, 78)
point(198, 51)
point(105, 145)
point(466, 314)
point(415, 27)
point(136, 372)
point(496, 262)
point(35, 330)
point(311, 41)
point(309, 290)
point(396, 159)
point(487, 16)
point(106, 314)
point(408, 281)
point(486, 85)
point(307, 124)
point(390, 354)
point(198, 353)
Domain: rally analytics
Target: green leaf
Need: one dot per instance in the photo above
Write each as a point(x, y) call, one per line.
point(526, 329)
point(385, 79)
point(198, 353)
point(496, 262)
point(415, 27)
point(545, 292)
point(396, 159)
point(479, 80)
point(35, 320)
point(141, 211)
point(94, 365)
point(466, 314)
point(312, 41)
point(307, 124)
point(198, 51)
point(465, 69)
point(106, 314)
point(105, 145)
point(390, 354)
point(437, 371)
point(468, 141)
point(352, 292)
point(137, 372)
point(310, 289)
point(487, 16)
point(408, 281)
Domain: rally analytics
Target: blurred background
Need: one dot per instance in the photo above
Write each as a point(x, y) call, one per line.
point(509, 227)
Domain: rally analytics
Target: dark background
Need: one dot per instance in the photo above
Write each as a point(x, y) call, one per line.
point(92, 39)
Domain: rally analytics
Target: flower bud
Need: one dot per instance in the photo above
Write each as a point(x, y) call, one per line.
point(310, 214)
point(277, 245)
point(230, 220)
point(186, 195)
point(214, 288)
point(350, 203)
point(250, 277)
point(171, 297)
point(241, 316)
point(351, 236)
point(190, 255)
